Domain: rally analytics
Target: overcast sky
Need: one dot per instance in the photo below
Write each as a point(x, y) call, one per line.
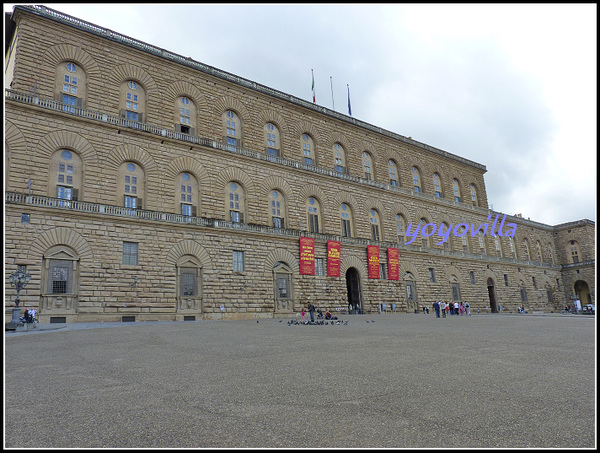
point(510, 86)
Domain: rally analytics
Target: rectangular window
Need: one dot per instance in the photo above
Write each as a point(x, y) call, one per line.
point(130, 253)
point(523, 294)
point(25, 218)
point(375, 232)
point(283, 286)
point(186, 209)
point(319, 271)
point(238, 261)
point(278, 222)
point(346, 232)
point(64, 193)
point(313, 223)
point(187, 282)
point(431, 275)
point(60, 277)
point(505, 279)
point(382, 271)
point(472, 277)
point(130, 202)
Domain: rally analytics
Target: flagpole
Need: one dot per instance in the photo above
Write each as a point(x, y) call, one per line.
point(349, 107)
point(331, 83)
point(313, 85)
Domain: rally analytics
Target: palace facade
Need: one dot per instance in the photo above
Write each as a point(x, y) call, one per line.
point(143, 185)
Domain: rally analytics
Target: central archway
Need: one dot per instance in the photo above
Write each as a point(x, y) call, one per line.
point(353, 286)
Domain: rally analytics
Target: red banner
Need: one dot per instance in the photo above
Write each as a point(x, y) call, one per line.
point(373, 257)
point(307, 256)
point(333, 258)
point(393, 264)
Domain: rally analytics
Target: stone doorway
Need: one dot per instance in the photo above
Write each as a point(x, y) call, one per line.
point(492, 295)
point(353, 286)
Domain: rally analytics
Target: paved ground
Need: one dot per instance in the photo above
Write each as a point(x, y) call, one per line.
point(398, 380)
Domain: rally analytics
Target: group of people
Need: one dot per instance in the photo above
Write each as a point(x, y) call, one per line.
point(320, 315)
point(29, 315)
point(458, 308)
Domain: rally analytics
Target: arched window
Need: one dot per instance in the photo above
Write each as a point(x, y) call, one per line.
point(538, 248)
point(400, 228)
point(393, 169)
point(511, 245)
point(573, 252)
point(447, 245)
point(346, 218)
point(277, 209)
point(232, 130)
point(235, 200)
point(313, 211)
point(416, 177)
point(498, 246)
point(308, 149)
point(550, 254)
point(66, 175)
point(424, 239)
point(272, 140)
point(474, 198)
point(368, 165)
point(481, 241)
point(437, 186)
point(70, 85)
point(456, 190)
point(340, 158)
point(526, 247)
point(375, 225)
point(133, 101)
point(131, 185)
point(186, 194)
point(185, 112)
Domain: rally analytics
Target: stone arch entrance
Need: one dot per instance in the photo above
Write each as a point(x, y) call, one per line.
point(353, 286)
point(582, 291)
point(492, 295)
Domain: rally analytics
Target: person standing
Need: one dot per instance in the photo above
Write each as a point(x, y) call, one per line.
point(467, 308)
point(443, 308)
point(455, 308)
point(436, 307)
point(311, 310)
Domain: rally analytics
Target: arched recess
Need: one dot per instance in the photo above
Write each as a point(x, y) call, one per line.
point(126, 72)
point(15, 145)
point(190, 262)
point(191, 165)
point(72, 141)
point(312, 190)
point(281, 255)
point(281, 266)
point(124, 153)
point(60, 236)
point(62, 254)
point(66, 52)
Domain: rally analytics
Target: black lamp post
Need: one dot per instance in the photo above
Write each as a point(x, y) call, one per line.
point(19, 280)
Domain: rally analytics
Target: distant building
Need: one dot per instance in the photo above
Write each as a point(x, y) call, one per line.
point(143, 185)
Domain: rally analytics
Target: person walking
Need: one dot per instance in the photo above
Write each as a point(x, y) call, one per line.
point(302, 314)
point(467, 308)
point(436, 307)
point(443, 308)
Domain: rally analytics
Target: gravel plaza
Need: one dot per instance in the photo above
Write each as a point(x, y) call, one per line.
point(379, 381)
